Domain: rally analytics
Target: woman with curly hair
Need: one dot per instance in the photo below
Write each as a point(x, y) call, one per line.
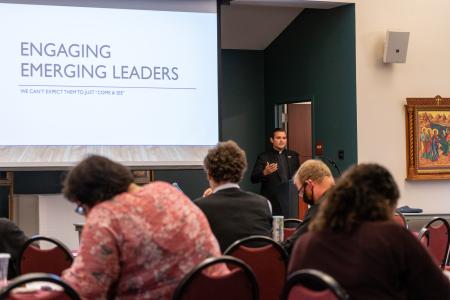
point(354, 239)
point(138, 242)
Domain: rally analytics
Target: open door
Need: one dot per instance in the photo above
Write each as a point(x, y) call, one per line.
point(296, 119)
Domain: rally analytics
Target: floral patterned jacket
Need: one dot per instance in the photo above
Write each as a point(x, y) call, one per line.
point(140, 245)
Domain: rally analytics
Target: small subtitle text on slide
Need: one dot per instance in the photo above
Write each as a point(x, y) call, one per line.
point(78, 92)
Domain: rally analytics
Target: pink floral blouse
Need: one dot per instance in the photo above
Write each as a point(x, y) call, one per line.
point(140, 245)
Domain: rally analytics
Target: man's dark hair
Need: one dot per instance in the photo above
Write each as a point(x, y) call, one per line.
point(96, 179)
point(278, 129)
point(226, 162)
point(366, 192)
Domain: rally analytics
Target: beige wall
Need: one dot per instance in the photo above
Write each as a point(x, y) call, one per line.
point(382, 89)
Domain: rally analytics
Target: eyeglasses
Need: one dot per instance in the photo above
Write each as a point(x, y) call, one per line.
point(301, 191)
point(80, 210)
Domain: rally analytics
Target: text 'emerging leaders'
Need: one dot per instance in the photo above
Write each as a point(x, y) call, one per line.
point(81, 70)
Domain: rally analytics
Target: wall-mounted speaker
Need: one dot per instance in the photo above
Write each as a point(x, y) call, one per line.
point(395, 47)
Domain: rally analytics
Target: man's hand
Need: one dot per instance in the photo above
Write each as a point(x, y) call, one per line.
point(207, 192)
point(270, 168)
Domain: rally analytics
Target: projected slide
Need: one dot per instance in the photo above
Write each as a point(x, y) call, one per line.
point(103, 76)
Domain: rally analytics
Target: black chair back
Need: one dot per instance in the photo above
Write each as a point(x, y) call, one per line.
point(267, 259)
point(239, 284)
point(313, 284)
point(20, 281)
point(290, 226)
point(32, 259)
point(292, 223)
point(438, 233)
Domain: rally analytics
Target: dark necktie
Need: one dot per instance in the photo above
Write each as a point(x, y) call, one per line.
point(283, 167)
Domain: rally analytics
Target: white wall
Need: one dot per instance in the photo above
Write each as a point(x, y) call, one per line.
point(26, 216)
point(48, 215)
point(382, 89)
point(57, 219)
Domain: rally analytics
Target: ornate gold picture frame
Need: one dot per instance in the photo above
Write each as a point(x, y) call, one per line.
point(428, 138)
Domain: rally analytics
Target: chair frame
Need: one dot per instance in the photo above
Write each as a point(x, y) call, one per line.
point(425, 231)
point(289, 229)
point(292, 220)
point(184, 283)
point(257, 238)
point(280, 252)
point(37, 238)
point(26, 278)
point(402, 216)
point(299, 277)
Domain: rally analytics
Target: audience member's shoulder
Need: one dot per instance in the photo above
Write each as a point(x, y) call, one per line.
point(201, 200)
point(309, 238)
point(386, 227)
point(255, 196)
point(6, 222)
point(7, 227)
point(208, 201)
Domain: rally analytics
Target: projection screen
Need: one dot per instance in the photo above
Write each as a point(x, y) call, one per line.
point(136, 81)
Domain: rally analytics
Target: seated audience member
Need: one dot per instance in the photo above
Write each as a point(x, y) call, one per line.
point(137, 242)
point(313, 180)
point(232, 212)
point(354, 239)
point(11, 241)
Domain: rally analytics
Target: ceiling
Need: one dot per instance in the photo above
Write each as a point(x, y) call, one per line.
point(254, 24)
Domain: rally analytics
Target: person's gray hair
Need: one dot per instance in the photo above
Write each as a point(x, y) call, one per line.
point(313, 169)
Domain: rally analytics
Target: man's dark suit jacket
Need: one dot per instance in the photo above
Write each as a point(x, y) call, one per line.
point(11, 241)
point(302, 229)
point(234, 214)
point(271, 185)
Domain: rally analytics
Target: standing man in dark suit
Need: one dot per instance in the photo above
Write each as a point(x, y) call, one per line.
point(232, 212)
point(274, 169)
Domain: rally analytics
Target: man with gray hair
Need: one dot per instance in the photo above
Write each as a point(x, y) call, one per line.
point(232, 212)
point(313, 180)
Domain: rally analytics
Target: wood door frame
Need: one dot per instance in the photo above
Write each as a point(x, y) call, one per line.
point(301, 99)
